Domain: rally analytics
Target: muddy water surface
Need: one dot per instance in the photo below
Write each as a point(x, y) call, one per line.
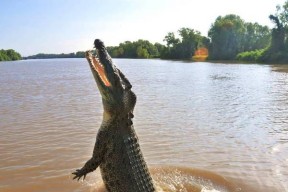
point(202, 126)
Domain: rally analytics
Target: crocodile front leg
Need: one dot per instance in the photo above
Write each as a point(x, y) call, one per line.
point(92, 164)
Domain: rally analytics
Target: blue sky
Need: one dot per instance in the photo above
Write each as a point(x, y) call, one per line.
point(64, 26)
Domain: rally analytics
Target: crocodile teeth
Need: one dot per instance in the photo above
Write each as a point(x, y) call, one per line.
point(100, 70)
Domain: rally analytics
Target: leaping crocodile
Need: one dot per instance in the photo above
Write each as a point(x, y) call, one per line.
point(117, 150)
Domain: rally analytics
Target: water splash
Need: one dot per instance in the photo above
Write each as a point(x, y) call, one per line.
point(181, 179)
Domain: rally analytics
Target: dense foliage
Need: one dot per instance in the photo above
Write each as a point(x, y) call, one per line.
point(226, 35)
point(136, 49)
point(256, 37)
point(183, 48)
point(231, 35)
point(255, 55)
point(79, 54)
point(277, 51)
point(9, 55)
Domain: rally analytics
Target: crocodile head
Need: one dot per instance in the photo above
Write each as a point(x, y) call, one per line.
point(113, 86)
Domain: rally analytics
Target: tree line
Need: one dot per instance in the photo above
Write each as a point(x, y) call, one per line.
point(137, 49)
point(9, 55)
point(230, 35)
point(79, 54)
point(229, 38)
point(277, 51)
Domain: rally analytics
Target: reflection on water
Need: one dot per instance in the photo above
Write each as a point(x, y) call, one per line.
point(230, 119)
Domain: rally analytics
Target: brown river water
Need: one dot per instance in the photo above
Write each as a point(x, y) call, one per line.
point(203, 127)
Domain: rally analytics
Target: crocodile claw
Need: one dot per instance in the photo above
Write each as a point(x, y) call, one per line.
point(78, 174)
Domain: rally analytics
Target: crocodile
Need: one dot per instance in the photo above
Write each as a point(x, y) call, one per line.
point(117, 151)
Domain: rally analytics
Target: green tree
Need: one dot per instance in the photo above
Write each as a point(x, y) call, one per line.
point(3, 56)
point(137, 49)
point(9, 55)
point(80, 54)
point(13, 55)
point(184, 47)
point(150, 48)
point(282, 13)
point(277, 51)
point(278, 35)
point(171, 40)
point(160, 48)
point(129, 50)
point(142, 52)
point(256, 37)
point(190, 41)
point(226, 34)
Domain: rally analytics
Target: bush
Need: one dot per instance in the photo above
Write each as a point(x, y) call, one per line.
point(9, 55)
point(251, 56)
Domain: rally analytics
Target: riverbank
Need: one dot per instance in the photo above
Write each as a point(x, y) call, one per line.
point(185, 60)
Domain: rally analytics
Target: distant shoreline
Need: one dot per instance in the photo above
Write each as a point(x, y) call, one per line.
point(183, 60)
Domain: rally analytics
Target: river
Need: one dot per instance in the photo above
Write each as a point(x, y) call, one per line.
point(202, 126)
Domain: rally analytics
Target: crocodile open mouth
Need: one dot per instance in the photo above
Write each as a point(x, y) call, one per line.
point(99, 68)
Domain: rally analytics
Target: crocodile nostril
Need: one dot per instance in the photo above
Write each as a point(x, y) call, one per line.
point(98, 44)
